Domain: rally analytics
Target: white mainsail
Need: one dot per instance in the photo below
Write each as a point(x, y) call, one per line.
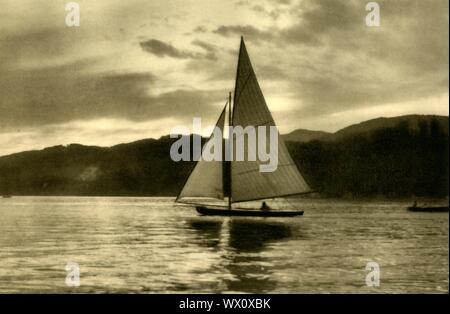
point(206, 179)
point(250, 109)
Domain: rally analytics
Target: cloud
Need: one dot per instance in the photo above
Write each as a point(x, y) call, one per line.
point(312, 20)
point(58, 94)
point(38, 47)
point(251, 33)
point(274, 13)
point(200, 29)
point(270, 72)
point(162, 49)
point(357, 66)
point(210, 49)
point(61, 93)
point(277, 2)
point(330, 61)
point(242, 3)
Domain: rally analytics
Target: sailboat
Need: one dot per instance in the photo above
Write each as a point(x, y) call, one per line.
point(242, 181)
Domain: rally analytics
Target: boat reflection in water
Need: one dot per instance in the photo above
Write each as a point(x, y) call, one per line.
point(245, 250)
point(208, 231)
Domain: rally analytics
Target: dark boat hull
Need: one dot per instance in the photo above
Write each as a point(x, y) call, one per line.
point(245, 212)
point(441, 209)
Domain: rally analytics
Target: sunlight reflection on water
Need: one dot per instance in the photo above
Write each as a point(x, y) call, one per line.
point(151, 245)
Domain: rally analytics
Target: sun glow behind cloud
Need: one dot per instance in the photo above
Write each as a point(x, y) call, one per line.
point(99, 132)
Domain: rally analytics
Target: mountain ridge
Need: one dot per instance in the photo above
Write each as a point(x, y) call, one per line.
point(305, 135)
point(297, 135)
point(368, 126)
point(402, 159)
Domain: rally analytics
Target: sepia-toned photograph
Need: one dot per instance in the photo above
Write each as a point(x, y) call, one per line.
point(194, 147)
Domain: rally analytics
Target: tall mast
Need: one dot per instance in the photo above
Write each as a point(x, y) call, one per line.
point(230, 142)
point(230, 122)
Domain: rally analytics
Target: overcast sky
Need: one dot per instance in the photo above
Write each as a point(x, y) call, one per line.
point(137, 68)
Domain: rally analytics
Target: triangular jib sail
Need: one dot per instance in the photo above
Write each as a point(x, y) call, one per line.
point(206, 179)
point(250, 109)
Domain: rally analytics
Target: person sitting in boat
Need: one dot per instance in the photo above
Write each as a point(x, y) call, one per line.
point(415, 204)
point(264, 206)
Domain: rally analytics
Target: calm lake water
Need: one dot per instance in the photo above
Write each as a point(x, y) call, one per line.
point(149, 245)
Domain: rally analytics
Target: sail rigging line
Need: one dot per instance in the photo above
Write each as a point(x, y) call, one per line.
point(275, 196)
point(197, 161)
point(245, 84)
point(230, 124)
point(256, 126)
point(230, 142)
point(200, 204)
point(290, 203)
point(257, 169)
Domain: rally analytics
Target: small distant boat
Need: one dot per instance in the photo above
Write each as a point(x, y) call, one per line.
point(428, 209)
point(242, 181)
point(6, 196)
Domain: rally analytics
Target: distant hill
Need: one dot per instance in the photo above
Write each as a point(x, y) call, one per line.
point(139, 168)
point(303, 136)
point(395, 157)
point(368, 127)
